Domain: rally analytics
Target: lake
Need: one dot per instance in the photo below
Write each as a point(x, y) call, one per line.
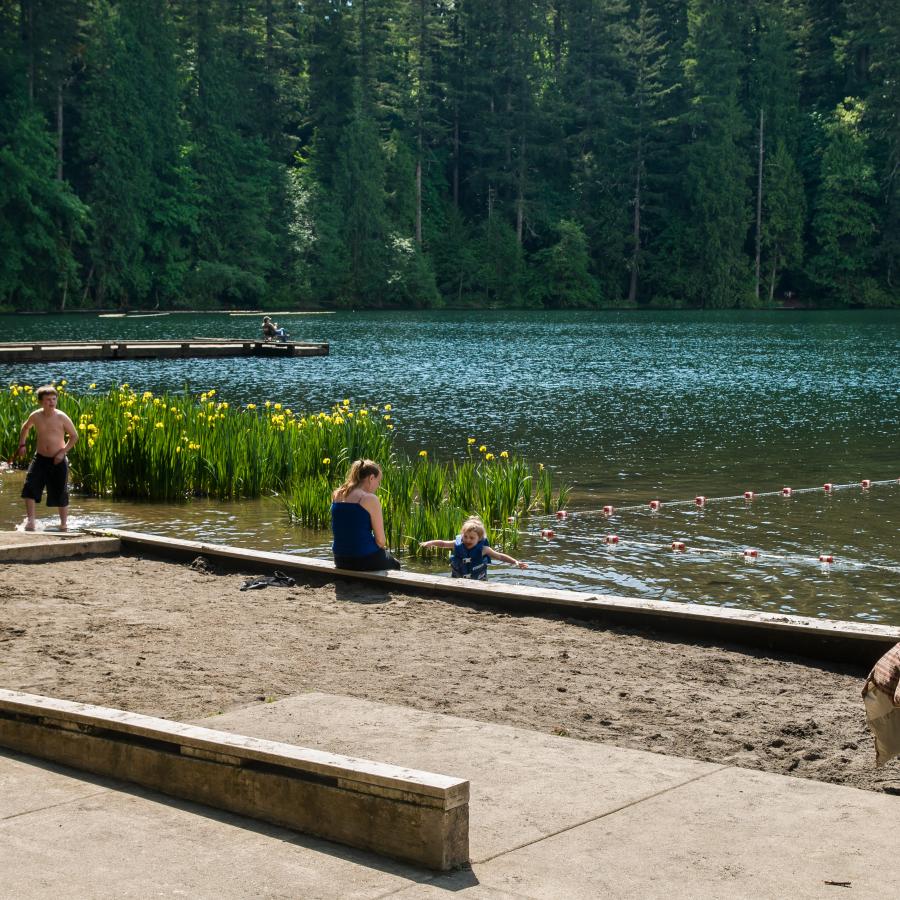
point(625, 407)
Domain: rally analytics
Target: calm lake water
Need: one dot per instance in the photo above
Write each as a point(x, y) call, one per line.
point(624, 406)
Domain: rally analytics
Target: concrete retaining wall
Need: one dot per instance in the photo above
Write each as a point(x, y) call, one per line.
point(38, 546)
point(416, 816)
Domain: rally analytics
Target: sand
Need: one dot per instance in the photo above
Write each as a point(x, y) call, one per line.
point(170, 640)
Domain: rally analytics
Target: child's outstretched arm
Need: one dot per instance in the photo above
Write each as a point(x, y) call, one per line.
point(503, 557)
point(444, 545)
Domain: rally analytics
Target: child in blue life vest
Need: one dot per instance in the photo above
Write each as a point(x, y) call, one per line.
point(472, 552)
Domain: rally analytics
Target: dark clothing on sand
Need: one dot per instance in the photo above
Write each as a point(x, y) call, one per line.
point(374, 562)
point(43, 472)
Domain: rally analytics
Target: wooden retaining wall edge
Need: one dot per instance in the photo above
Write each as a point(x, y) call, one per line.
point(411, 815)
point(834, 640)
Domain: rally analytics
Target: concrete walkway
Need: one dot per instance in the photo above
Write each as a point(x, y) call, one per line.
point(551, 817)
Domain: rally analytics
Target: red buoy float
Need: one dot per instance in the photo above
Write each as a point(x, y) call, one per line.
point(562, 514)
point(511, 519)
point(826, 558)
point(828, 486)
point(654, 504)
point(612, 539)
point(608, 510)
point(699, 501)
point(786, 492)
point(678, 545)
point(750, 552)
point(548, 533)
point(866, 483)
point(749, 495)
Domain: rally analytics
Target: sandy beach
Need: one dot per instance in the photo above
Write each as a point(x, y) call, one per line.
point(184, 642)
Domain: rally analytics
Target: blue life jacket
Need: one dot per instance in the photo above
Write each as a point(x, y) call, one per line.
point(465, 563)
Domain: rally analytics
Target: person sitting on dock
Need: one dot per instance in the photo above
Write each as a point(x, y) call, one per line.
point(271, 331)
point(472, 552)
point(50, 467)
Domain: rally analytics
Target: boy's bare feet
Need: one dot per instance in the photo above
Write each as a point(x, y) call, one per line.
point(29, 526)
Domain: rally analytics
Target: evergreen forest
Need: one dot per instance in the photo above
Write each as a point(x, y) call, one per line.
point(203, 154)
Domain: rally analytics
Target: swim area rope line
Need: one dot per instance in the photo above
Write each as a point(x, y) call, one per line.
point(749, 554)
point(654, 505)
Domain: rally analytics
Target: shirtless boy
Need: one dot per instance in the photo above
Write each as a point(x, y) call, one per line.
point(49, 467)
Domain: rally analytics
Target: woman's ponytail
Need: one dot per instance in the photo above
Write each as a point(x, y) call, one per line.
point(360, 469)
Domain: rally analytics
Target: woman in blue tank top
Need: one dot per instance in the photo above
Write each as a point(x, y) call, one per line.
point(357, 521)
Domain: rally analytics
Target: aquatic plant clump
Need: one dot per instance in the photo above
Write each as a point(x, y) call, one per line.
point(170, 447)
point(425, 499)
point(174, 446)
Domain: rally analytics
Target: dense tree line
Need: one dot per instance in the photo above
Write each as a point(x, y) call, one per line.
point(419, 153)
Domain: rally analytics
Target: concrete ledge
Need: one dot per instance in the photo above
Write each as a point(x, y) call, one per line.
point(403, 813)
point(39, 546)
point(817, 638)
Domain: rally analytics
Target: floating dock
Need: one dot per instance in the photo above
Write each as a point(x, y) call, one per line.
point(61, 351)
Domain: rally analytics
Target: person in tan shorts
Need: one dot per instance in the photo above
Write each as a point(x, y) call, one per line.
point(881, 695)
point(56, 436)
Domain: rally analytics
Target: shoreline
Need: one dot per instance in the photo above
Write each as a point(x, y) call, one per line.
point(183, 642)
point(311, 310)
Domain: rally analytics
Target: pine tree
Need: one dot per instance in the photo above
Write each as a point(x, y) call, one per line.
point(715, 165)
point(358, 191)
point(40, 218)
point(773, 102)
point(594, 87)
point(872, 43)
point(844, 219)
point(784, 207)
point(562, 277)
point(136, 183)
point(241, 189)
point(645, 125)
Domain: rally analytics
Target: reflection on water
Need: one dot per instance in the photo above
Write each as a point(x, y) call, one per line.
point(625, 407)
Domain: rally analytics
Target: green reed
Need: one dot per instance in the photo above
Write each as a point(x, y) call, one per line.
point(178, 445)
point(174, 446)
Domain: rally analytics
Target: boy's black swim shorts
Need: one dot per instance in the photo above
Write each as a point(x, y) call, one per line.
point(43, 472)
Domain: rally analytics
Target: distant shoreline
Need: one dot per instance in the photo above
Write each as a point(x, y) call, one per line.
point(143, 313)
